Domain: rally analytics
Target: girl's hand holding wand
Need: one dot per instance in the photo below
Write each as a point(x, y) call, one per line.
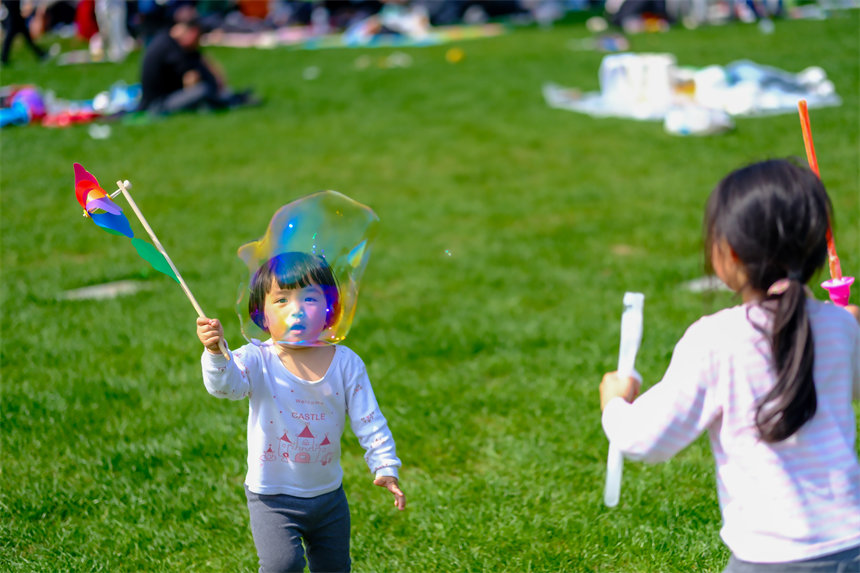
point(390, 482)
point(614, 386)
point(211, 333)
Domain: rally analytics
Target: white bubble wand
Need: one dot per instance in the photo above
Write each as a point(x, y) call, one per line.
point(631, 337)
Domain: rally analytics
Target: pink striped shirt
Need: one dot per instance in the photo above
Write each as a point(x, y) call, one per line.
point(793, 500)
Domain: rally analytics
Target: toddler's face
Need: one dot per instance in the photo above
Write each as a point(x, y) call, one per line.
point(295, 316)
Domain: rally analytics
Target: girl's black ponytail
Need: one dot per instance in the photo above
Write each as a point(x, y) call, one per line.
point(791, 402)
point(774, 215)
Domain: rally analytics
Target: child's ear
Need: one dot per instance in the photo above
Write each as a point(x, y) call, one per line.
point(724, 247)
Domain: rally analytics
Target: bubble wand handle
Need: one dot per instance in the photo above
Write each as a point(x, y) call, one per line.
point(631, 337)
point(803, 110)
point(838, 287)
point(122, 185)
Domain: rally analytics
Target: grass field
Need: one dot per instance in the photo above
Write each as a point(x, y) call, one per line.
point(488, 312)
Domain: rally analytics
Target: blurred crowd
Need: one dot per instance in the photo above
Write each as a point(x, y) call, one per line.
point(143, 18)
point(118, 26)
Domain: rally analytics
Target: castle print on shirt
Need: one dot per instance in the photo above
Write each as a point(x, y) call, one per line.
point(306, 448)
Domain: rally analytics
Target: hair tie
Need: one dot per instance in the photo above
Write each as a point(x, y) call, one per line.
point(779, 287)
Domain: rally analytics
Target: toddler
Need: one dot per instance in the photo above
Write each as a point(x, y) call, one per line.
point(300, 391)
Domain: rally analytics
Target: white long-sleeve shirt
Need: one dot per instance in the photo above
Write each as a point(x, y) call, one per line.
point(787, 501)
point(295, 425)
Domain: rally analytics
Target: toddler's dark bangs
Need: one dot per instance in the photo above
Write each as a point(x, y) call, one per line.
point(292, 281)
point(293, 273)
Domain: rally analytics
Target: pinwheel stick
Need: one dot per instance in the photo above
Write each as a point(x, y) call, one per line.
point(833, 258)
point(123, 188)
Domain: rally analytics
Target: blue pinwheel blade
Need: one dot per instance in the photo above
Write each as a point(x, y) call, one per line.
point(113, 223)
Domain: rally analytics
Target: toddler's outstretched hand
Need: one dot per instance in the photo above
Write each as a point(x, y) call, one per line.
point(390, 482)
point(613, 386)
point(210, 332)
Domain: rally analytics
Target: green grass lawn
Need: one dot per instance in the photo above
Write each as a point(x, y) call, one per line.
point(488, 312)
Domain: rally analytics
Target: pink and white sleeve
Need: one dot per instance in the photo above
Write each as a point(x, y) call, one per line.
point(671, 414)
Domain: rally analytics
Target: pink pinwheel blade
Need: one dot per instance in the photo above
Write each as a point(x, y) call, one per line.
point(82, 174)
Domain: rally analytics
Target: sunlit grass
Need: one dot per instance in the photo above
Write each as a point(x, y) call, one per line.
point(488, 311)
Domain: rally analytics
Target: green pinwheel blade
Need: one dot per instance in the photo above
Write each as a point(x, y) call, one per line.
point(151, 255)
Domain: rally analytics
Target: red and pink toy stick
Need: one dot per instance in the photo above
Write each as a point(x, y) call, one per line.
point(838, 287)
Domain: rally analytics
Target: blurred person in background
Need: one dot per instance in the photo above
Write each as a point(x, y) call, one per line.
point(15, 24)
point(57, 16)
point(176, 76)
point(112, 20)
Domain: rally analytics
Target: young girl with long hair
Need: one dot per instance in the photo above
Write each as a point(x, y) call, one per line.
point(771, 380)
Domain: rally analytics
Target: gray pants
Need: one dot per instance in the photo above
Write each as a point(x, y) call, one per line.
point(187, 99)
point(280, 523)
point(847, 561)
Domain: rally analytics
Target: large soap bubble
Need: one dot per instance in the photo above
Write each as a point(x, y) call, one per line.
point(322, 232)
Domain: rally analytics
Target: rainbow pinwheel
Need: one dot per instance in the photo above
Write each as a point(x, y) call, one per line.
point(99, 207)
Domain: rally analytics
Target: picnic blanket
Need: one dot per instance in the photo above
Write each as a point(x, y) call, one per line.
point(652, 87)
